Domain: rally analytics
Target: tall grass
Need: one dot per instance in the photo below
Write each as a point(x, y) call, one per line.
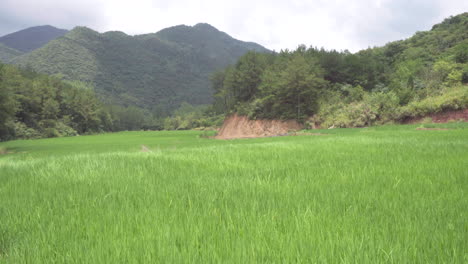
point(390, 194)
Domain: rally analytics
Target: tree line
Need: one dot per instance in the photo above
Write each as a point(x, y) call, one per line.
point(34, 105)
point(424, 74)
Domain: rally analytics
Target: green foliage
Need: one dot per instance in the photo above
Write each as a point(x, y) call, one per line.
point(188, 116)
point(285, 86)
point(159, 70)
point(292, 92)
point(454, 99)
point(372, 86)
point(8, 104)
point(34, 106)
point(24, 132)
point(374, 108)
point(352, 93)
point(65, 130)
point(7, 54)
point(461, 53)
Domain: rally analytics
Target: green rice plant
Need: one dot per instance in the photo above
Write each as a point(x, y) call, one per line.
point(390, 194)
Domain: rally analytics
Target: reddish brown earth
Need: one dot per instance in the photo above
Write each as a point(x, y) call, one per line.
point(442, 117)
point(235, 126)
point(242, 127)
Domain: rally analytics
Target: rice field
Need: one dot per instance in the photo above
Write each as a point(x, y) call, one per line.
point(389, 194)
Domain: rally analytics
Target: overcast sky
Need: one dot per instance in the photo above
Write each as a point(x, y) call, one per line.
point(276, 24)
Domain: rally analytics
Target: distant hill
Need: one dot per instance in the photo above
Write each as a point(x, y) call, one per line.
point(158, 70)
point(32, 38)
point(7, 53)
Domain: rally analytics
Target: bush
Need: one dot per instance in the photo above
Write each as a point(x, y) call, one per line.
point(24, 132)
point(50, 132)
point(65, 131)
point(384, 105)
point(375, 107)
point(453, 99)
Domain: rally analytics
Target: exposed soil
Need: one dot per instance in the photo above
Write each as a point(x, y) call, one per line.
point(236, 126)
point(145, 149)
point(242, 127)
point(4, 151)
point(441, 117)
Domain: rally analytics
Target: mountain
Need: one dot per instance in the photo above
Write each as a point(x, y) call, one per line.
point(32, 38)
point(211, 42)
point(7, 53)
point(158, 70)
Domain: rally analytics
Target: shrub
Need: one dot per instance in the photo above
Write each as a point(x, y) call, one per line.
point(50, 132)
point(375, 107)
point(384, 105)
point(24, 132)
point(453, 99)
point(357, 114)
point(65, 131)
point(426, 120)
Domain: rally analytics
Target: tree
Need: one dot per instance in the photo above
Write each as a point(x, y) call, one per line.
point(248, 74)
point(292, 92)
point(8, 106)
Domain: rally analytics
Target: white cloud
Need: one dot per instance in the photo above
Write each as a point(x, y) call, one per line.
point(334, 24)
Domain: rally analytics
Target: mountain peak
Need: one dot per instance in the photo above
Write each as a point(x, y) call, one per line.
point(205, 26)
point(32, 38)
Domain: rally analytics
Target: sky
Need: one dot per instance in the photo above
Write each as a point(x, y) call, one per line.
point(275, 24)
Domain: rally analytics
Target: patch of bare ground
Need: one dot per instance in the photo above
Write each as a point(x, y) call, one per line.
point(236, 126)
point(4, 151)
point(443, 117)
point(145, 149)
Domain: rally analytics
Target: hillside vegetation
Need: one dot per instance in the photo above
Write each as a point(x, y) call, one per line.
point(156, 71)
point(7, 54)
point(424, 74)
point(34, 106)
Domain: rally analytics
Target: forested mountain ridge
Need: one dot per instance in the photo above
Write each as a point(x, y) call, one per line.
point(7, 54)
point(211, 42)
point(424, 74)
point(155, 71)
point(32, 38)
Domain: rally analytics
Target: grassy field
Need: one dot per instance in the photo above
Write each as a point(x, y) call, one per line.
point(374, 195)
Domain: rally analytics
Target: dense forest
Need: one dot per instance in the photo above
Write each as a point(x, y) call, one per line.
point(34, 105)
point(424, 74)
point(155, 72)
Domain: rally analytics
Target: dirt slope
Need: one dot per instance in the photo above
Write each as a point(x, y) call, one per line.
point(443, 117)
point(242, 127)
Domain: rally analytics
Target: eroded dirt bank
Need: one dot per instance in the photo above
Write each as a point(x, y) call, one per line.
point(443, 117)
point(242, 127)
